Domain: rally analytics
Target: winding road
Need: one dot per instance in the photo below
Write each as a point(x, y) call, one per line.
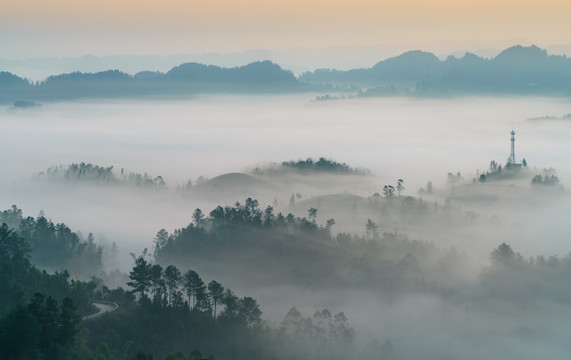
point(104, 308)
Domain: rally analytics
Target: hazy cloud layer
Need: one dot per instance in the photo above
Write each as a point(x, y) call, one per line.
point(417, 140)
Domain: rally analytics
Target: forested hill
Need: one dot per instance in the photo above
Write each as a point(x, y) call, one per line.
point(310, 166)
point(55, 246)
point(189, 78)
point(516, 70)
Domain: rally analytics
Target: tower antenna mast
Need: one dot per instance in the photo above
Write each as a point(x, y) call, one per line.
point(512, 153)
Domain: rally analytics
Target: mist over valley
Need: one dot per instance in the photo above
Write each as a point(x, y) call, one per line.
point(391, 221)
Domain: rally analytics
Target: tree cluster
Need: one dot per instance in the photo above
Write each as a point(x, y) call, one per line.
point(545, 180)
point(324, 336)
point(324, 165)
point(83, 172)
point(42, 330)
point(238, 221)
point(169, 287)
point(309, 165)
point(515, 278)
point(297, 251)
point(20, 280)
point(55, 246)
point(191, 315)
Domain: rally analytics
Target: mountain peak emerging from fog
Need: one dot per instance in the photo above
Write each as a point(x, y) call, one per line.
point(520, 53)
point(410, 58)
point(262, 71)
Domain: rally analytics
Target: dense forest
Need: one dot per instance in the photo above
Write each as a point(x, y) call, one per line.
point(167, 311)
point(294, 250)
point(39, 311)
point(248, 239)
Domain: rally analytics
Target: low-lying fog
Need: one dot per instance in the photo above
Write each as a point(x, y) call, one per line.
point(417, 140)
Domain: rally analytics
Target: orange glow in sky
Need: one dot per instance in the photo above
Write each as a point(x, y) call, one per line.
point(181, 26)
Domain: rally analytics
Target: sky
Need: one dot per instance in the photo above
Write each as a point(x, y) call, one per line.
point(36, 28)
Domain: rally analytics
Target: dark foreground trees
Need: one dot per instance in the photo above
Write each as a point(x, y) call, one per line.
point(42, 330)
point(38, 318)
point(212, 319)
point(141, 276)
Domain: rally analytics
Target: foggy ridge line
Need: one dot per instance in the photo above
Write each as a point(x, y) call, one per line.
point(526, 70)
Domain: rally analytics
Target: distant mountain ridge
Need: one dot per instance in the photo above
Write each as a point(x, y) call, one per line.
point(516, 70)
point(188, 78)
point(261, 72)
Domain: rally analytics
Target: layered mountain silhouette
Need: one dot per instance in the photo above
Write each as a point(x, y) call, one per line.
point(189, 78)
point(516, 70)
